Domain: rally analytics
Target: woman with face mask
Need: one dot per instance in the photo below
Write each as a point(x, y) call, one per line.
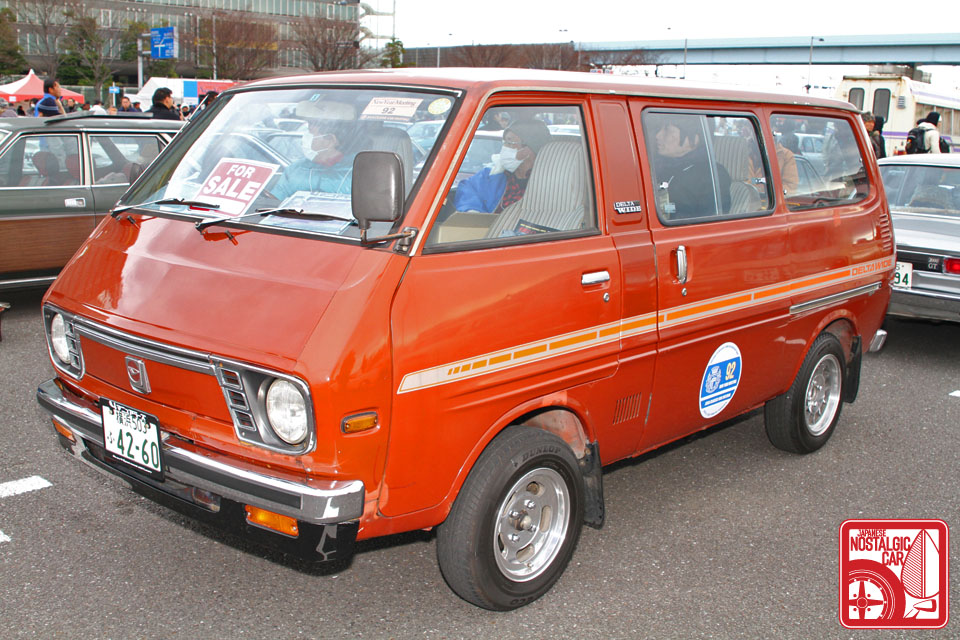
point(325, 167)
point(503, 182)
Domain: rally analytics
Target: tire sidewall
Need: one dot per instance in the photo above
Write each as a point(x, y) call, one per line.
point(826, 344)
point(549, 452)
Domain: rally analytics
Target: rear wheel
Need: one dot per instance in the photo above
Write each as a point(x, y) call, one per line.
point(516, 522)
point(803, 419)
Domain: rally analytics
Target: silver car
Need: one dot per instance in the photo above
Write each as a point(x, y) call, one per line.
point(924, 195)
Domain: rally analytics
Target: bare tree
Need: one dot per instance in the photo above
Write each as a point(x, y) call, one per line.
point(485, 55)
point(94, 47)
point(330, 45)
point(634, 57)
point(563, 55)
point(234, 46)
point(48, 22)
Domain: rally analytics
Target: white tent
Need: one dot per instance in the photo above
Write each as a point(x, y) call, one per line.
point(185, 90)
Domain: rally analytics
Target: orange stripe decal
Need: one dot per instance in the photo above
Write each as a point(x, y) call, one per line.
point(532, 351)
point(567, 342)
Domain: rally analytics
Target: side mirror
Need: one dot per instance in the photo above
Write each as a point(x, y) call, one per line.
point(377, 187)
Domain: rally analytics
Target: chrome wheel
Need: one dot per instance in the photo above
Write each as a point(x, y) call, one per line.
point(822, 397)
point(532, 522)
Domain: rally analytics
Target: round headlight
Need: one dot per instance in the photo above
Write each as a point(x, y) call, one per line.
point(58, 338)
point(287, 411)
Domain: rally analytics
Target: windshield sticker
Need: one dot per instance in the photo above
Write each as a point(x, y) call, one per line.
point(399, 109)
point(440, 105)
point(720, 380)
point(234, 184)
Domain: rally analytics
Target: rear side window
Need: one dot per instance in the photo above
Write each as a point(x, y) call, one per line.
point(706, 167)
point(116, 158)
point(924, 189)
point(820, 161)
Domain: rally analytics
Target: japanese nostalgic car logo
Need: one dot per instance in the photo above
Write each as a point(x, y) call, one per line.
point(137, 375)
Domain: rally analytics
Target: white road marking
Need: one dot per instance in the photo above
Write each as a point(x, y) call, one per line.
point(15, 487)
point(956, 394)
point(4, 537)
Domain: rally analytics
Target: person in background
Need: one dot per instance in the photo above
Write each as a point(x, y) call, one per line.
point(97, 108)
point(162, 108)
point(5, 110)
point(111, 110)
point(136, 107)
point(496, 187)
point(207, 100)
point(869, 122)
point(21, 111)
point(931, 135)
point(878, 130)
point(185, 111)
point(126, 106)
point(49, 104)
point(69, 105)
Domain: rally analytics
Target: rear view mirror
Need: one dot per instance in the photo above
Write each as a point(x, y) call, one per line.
point(377, 187)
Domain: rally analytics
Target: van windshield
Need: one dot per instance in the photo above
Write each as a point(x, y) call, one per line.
point(290, 150)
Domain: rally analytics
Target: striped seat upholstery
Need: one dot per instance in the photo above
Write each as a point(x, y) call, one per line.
point(744, 198)
point(556, 196)
point(731, 152)
point(398, 142)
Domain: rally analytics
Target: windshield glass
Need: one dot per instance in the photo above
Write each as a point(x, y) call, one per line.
point(922, 189)
point(291, 150)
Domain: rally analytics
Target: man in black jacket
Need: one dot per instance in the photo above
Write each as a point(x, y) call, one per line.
point(162, 108)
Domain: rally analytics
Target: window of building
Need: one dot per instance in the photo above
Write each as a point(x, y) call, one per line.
point(856, 97)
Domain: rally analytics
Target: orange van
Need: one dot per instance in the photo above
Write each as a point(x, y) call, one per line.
point(314, 322)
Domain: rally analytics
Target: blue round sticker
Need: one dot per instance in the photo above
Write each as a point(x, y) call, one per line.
point(720, 379)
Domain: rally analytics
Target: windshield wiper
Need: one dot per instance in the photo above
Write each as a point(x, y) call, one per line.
point(203, 224)
point(144, 205)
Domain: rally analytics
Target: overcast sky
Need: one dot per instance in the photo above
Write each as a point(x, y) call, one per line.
point(455, 22)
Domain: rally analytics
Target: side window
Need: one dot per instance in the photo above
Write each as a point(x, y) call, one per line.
point(855, 97)
point(881, 103)
point(518, 179)
point(706, 167)
point(115, 158)
point(833, 174)
point(41, 161)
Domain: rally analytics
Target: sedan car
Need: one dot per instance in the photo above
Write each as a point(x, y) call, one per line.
point(924, 196)
point(58, 177)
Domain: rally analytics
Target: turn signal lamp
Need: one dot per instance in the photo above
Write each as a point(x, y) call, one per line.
point(359, 422)
point(62, 430)
point(952, 265)
point(273, 521)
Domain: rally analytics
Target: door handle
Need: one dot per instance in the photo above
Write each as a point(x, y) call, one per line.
point(595, 277)
point(75, 202)
point(682, 264)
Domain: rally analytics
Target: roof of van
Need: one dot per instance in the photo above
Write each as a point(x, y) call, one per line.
point(492, 79)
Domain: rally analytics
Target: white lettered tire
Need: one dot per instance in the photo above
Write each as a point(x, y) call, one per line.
point(515, 523)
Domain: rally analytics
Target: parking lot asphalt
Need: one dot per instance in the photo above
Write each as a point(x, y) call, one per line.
point(720, 536)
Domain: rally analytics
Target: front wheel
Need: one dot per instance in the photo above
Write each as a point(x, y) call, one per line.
point(516, 522)
point(803, 419)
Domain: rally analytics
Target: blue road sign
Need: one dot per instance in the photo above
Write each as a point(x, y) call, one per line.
point(163, 43)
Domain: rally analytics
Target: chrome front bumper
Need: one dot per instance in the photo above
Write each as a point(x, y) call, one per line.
point(185, 471)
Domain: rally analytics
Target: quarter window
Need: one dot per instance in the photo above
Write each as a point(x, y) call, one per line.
point(117, 158)
point(41, 161)
point(856, 97)
point(525, 174)
point(706, 167)
point(881, 103)
point(820, 161)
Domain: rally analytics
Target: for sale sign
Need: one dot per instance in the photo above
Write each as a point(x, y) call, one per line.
point(234, 184)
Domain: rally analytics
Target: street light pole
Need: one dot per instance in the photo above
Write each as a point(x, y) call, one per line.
point(810, 63)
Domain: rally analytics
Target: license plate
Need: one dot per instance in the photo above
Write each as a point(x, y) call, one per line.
point(903, 276)
point(132, 437)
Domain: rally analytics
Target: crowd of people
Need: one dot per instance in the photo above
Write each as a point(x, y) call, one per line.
point(52, 103)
